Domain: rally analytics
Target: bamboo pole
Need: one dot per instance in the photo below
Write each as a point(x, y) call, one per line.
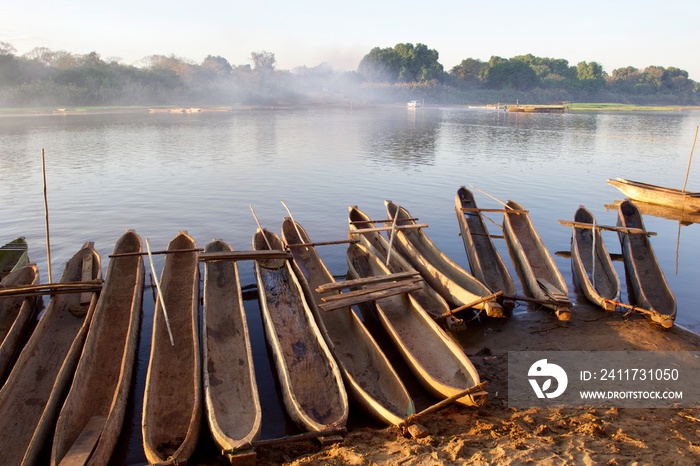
point(160, 293)
point(46, 216)
point(685, 183)
point(392, 235)
point(690, 159)
point(262, 232)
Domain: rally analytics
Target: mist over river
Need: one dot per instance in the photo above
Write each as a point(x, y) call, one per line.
point(161, 173)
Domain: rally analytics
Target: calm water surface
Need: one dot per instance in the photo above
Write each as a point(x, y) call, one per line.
point(161, 173)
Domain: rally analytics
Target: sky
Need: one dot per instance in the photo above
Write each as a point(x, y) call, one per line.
point(614, 33)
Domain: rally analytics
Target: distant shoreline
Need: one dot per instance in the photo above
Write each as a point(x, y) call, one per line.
point(174, 109)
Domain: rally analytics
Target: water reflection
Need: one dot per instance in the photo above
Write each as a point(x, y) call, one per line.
point(401, 143)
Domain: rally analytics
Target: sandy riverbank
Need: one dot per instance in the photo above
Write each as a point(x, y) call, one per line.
point(497, 434)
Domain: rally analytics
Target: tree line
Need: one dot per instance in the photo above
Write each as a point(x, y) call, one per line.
point(43, 77)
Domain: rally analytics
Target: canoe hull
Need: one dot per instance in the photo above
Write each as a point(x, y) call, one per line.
point(646, 284)
point(16, 315)
point(444, 370)
point(231, 395)
point(485, 262)
point(33, 394)
point(599, 282)
point(429, 299)
point(312, 386)
point(533, 262)
point(104, 374)
point(172, 407)
point(660, 195)
point(13, 255)
point(454, 283)
point(367, 373)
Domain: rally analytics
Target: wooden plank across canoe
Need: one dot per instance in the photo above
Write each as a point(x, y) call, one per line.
point(412, 226)
point(589, 226)
point(244, 255)
point(366, 281)
point(369, 294)
point(231, 395)
point(427, 297)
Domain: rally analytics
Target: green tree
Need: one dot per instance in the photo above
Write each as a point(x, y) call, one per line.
point(512, 74)
point(402, 63)
point(263, 60)
point(470, 72)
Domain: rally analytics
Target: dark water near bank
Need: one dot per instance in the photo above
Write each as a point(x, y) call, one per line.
point(161, 173)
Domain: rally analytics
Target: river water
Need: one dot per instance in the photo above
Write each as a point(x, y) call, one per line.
point(162, 173)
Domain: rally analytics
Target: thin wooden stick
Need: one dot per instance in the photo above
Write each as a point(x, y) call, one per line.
point(262, 232)
point(472, 304)
point(294, 222)
point(288, 439)
point(46, 215)
point(391, 236)
point(595, 233)
point(160, 293)
point(441, 404)
point(690, 159)
point(685, 183)
point(495, 199)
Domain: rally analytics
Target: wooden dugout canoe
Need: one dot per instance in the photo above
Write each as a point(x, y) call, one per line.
point(100, 388)
point(312, 386)
point(172, 405)
point(485, 262)
point(33, 394)
point(438, 362)
point(16, 314)
point(367, 373)
point(427, 297)
point(644, 192)
point(646, 284)
point(539, 275)
point(592, 269)
point(13, 255)
point(230, 390)
point(454, 283)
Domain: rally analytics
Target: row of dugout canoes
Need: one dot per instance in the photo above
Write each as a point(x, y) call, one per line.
point(72, 378)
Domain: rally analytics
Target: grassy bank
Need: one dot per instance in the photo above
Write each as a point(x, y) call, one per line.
point(606, 107)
